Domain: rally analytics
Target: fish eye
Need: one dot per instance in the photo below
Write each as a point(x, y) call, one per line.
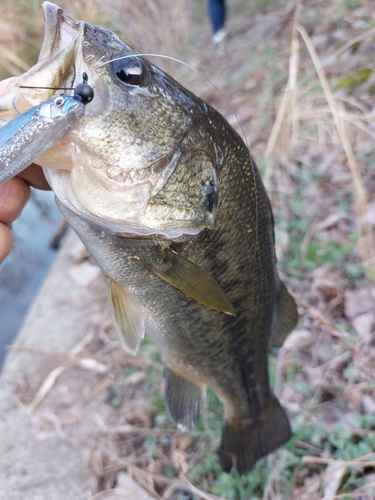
point(59, 101)
point(129, 71)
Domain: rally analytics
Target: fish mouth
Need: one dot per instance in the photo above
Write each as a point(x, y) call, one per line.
point(60, 62)
point(56, 67)
point(18, 100)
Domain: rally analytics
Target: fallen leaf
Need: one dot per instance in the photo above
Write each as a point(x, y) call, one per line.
point(364, 324)
point(93, 365)
point(358, 302)
point(368, 404)
point(332, 479)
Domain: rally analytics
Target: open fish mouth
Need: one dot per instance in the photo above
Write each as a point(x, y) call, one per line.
point(61, 44)
point(61, 37)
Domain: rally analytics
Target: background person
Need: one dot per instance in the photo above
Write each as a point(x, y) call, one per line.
point(217, 13)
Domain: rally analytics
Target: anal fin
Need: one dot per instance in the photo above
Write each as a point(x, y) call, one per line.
point(287, 317)
point(126, 316)
point(184, 398)
point(245, 442)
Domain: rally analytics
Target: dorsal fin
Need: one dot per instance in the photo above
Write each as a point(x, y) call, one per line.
point(287, 317)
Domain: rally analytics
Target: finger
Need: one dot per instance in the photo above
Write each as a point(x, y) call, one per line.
point(34, 176)
point(6, 241)
point(13, 197)
point(6, 85)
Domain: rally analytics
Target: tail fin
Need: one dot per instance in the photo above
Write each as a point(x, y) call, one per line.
point(244, 443)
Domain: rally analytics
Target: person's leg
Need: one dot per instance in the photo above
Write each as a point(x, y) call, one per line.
point(217, 16)
point(216, 10)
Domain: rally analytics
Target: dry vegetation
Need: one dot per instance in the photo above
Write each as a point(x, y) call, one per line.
point(301, 82)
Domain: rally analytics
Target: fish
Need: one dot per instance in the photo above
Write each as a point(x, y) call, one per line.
point(32, 133)
point(168, 201)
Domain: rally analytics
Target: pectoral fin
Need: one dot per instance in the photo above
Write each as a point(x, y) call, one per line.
point(184, 399)
point(126, 316)
point(195, 283)
point(287, 317)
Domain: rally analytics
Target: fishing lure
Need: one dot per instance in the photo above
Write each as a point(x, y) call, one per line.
point(27, 137)
point(34, 132)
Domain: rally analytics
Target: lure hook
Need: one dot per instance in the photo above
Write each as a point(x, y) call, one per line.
point(82, 92)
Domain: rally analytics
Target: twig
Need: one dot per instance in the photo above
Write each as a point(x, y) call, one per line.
point(315, 314)
point(196, 491)
point(49, 382)
point(347, 463)
point(358, 493)
point(183, 483)
point(306, 488)
point(358, 38)
point(268, 493)
point(110, 493)
point(131, 360)
point(133, 429)
point(307, 239)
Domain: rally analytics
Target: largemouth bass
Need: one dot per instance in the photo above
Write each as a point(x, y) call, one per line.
point(170, 204)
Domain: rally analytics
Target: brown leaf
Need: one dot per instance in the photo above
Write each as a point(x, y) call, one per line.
point(364, 324)
point(354, 397)
point(332, 479)
point(358, 302)
point(368, 404)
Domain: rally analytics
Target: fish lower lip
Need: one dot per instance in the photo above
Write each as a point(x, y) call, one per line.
point(60, 30)
point(52, 15)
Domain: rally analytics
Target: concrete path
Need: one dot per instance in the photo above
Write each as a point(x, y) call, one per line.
point(46, 440)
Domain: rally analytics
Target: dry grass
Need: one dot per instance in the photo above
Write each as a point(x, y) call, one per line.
point(144, 24)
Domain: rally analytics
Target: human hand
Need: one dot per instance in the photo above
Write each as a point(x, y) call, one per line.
point(14, 195)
